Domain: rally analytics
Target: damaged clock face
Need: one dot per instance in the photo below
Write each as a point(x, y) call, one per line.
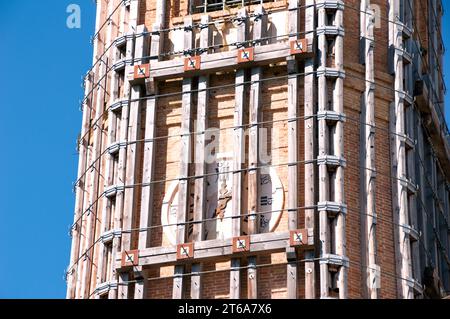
point(219, 206)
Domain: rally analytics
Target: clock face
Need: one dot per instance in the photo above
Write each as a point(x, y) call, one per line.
point(219, 202)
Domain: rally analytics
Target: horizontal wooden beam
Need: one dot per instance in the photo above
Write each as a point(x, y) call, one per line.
point(213, 249)
point(222, 61)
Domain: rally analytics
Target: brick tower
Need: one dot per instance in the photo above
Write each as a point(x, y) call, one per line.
point(263, 149)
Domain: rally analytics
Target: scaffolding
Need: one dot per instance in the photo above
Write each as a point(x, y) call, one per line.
point(122, 94)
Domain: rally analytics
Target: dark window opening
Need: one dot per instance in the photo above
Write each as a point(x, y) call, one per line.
point(201, 6)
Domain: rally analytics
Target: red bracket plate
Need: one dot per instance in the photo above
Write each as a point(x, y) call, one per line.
point(299, 46)
point(241, 244)
point(192, 63)
point(298, 237)
point(130, 258)
point(185, 251)
point(141, 71)
point(245, 55)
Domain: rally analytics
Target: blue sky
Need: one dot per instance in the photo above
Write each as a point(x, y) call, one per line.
point(40, 87)
point(41, 70)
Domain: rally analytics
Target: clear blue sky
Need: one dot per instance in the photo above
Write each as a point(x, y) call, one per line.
point(42, 63)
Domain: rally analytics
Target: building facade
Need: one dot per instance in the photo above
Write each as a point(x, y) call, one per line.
point(263, 149)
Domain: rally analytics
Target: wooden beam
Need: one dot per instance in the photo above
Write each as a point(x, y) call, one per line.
point(196, 281)
point(252, 278)
point(129, 216)
point(338, 141)
point(238, 157)
point(96, 167)
point(223, 61)
point(185, 160)
point(161, 13)
point(323, 169)
point(200, 162)
point(122, 278)
point(74, 287)
point(107, 209)
point(293, 83)
point(404, 249)
point(134, 128)
point(209, 250)
point(259, 31)
point(422, 186)
point(80, 192)
point(310, 145)
point(146, 214)
point(121, 168)
point(411, 152)
point(147, 203)
point(394, 194)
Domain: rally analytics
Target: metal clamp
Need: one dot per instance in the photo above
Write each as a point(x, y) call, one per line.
point(330, 4)
point(411, 231)
point(414, 284)
point(107, 237)
point(114, 148)
point(118, 105)
point(112, 191)
point(332, 207)
point(406, 31)
point(104, 288)
point(330, 72)
point(412, 188)
point(335, 260)
point(405, 97)
point(331, 116)
point(331, 30)
point(331, 160)
point(407, 57)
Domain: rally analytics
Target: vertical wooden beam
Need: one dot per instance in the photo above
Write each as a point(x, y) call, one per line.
point(160, 13)
point(253, 152)
point(394, 156)
point(200, 163)
point(259, 31)
point(432, 203)
point(324, 228)
point(410, 130)
point(413, 207)
point(96, 167)
point(109, 169)
point(129, 220)
point(132, 156)
point(293, 82)
point(252, 278)
point(338, 98)
point(185, 160)
point(130, 117)
point(309, 144)
point(369, 189)
point(80, 191)
point(238, 157)
point(401, 206)
point(146, 214)
point(422, 186)
point(121, 163)
point(394, 194)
